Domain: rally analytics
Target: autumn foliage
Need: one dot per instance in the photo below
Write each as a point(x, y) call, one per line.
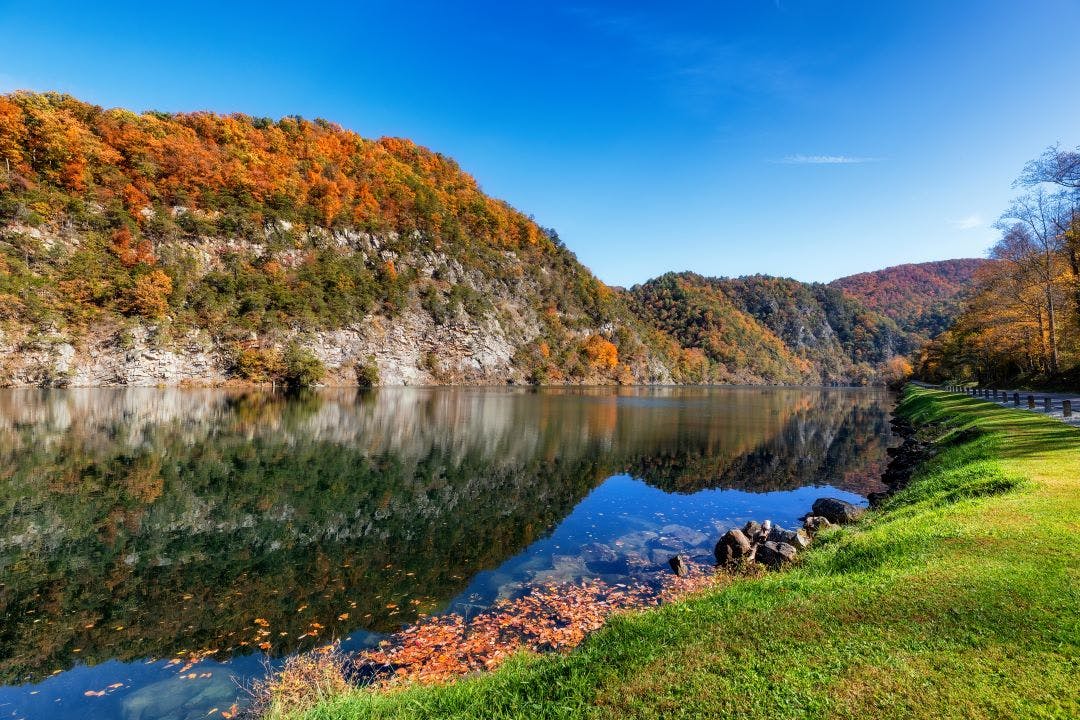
point(1021, 320)
point(553, 618)
point(295, 169)
point(600, 352)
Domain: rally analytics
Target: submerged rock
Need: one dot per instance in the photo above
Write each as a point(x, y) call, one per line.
point(598, 552)
point(733, 547)
point(683, 534)
point(837, 511)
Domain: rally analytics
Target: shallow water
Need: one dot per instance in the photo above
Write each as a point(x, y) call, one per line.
point(139, 526)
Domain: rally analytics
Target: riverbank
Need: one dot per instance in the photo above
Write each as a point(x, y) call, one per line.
point(956, 598)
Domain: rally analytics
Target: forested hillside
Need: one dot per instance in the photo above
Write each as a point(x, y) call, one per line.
point(766, 329)
point(158, 248)
point(155, 247)
point(922, 298)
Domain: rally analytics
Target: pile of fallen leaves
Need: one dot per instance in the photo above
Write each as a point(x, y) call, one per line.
point(442, 647)
point(548, 618)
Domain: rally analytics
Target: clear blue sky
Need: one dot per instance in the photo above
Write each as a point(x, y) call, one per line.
point(792, 137)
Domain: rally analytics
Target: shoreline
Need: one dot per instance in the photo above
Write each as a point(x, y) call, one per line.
point(961, 477)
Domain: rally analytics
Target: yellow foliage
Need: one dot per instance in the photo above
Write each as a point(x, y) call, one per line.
point(601, 353)
point(149, 297)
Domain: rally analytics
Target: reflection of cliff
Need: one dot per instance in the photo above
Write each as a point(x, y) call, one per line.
point(141, 523)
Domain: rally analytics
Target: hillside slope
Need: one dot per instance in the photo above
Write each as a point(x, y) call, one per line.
point(922, 298)
point(766, 329)
point(160, 249)
point(164, 249)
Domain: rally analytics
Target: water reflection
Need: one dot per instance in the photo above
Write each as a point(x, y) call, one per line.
point(144, 523)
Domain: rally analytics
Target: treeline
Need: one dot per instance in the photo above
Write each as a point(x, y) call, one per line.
point(1021, 321)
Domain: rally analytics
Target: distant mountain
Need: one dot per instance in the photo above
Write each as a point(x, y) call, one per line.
point(922, 298)
point(773, 330)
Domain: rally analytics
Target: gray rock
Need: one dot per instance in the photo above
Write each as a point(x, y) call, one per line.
point(753, 531)
point(816, 523)
point(598, 552)
point(796, 538)
point(733, 547)
point(679, 566)
point(683, 534)
point(774, 554)
point(837, 511)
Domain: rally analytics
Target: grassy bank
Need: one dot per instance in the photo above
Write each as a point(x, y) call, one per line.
point(958, 599)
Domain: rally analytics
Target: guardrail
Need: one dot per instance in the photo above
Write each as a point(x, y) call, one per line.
point(1050, 402)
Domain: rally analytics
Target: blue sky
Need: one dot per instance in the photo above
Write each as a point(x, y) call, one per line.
point(791, 137)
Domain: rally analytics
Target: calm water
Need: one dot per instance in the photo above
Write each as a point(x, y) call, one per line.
point(138, 526)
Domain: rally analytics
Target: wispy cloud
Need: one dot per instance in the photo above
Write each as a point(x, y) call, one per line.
point(968, 223)
point(825, 160)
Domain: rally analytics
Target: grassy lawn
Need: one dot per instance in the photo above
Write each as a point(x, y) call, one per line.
point(959, 599)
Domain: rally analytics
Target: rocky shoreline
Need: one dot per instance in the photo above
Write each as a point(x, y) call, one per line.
point(774, 546)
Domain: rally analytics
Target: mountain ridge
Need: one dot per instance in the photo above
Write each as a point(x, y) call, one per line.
point(199, 248)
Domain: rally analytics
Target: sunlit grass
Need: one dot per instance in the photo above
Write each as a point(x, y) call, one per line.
point(958, 599)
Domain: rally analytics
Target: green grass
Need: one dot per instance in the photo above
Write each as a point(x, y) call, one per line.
point(958, 599)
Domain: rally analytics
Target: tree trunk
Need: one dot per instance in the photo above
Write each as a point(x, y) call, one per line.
point(1052, 328)
point(1043, 355)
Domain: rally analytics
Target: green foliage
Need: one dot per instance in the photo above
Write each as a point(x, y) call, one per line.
point(367, 373)
point(300, 367)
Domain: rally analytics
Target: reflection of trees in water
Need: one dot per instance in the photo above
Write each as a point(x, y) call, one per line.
point(181, 516)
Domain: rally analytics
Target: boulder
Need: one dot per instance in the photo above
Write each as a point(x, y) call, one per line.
point(775, 554)
point(816, 523)
point(752, 530)
point(837, 511)
point(733, 547)
point(796, 538)
point(876, 498)
point(679, 566)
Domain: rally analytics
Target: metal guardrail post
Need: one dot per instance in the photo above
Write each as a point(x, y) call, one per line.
point(1048, 404)
point(1016, 398)
point(1031, 401)
point(1066, 408)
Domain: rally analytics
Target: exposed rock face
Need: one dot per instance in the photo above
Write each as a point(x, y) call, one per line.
point(837, 511)
point(423, 342)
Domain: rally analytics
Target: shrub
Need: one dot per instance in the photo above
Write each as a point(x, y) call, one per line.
point(149, 296)
point(301, 367)
point(601, 353)
point(367, 373)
